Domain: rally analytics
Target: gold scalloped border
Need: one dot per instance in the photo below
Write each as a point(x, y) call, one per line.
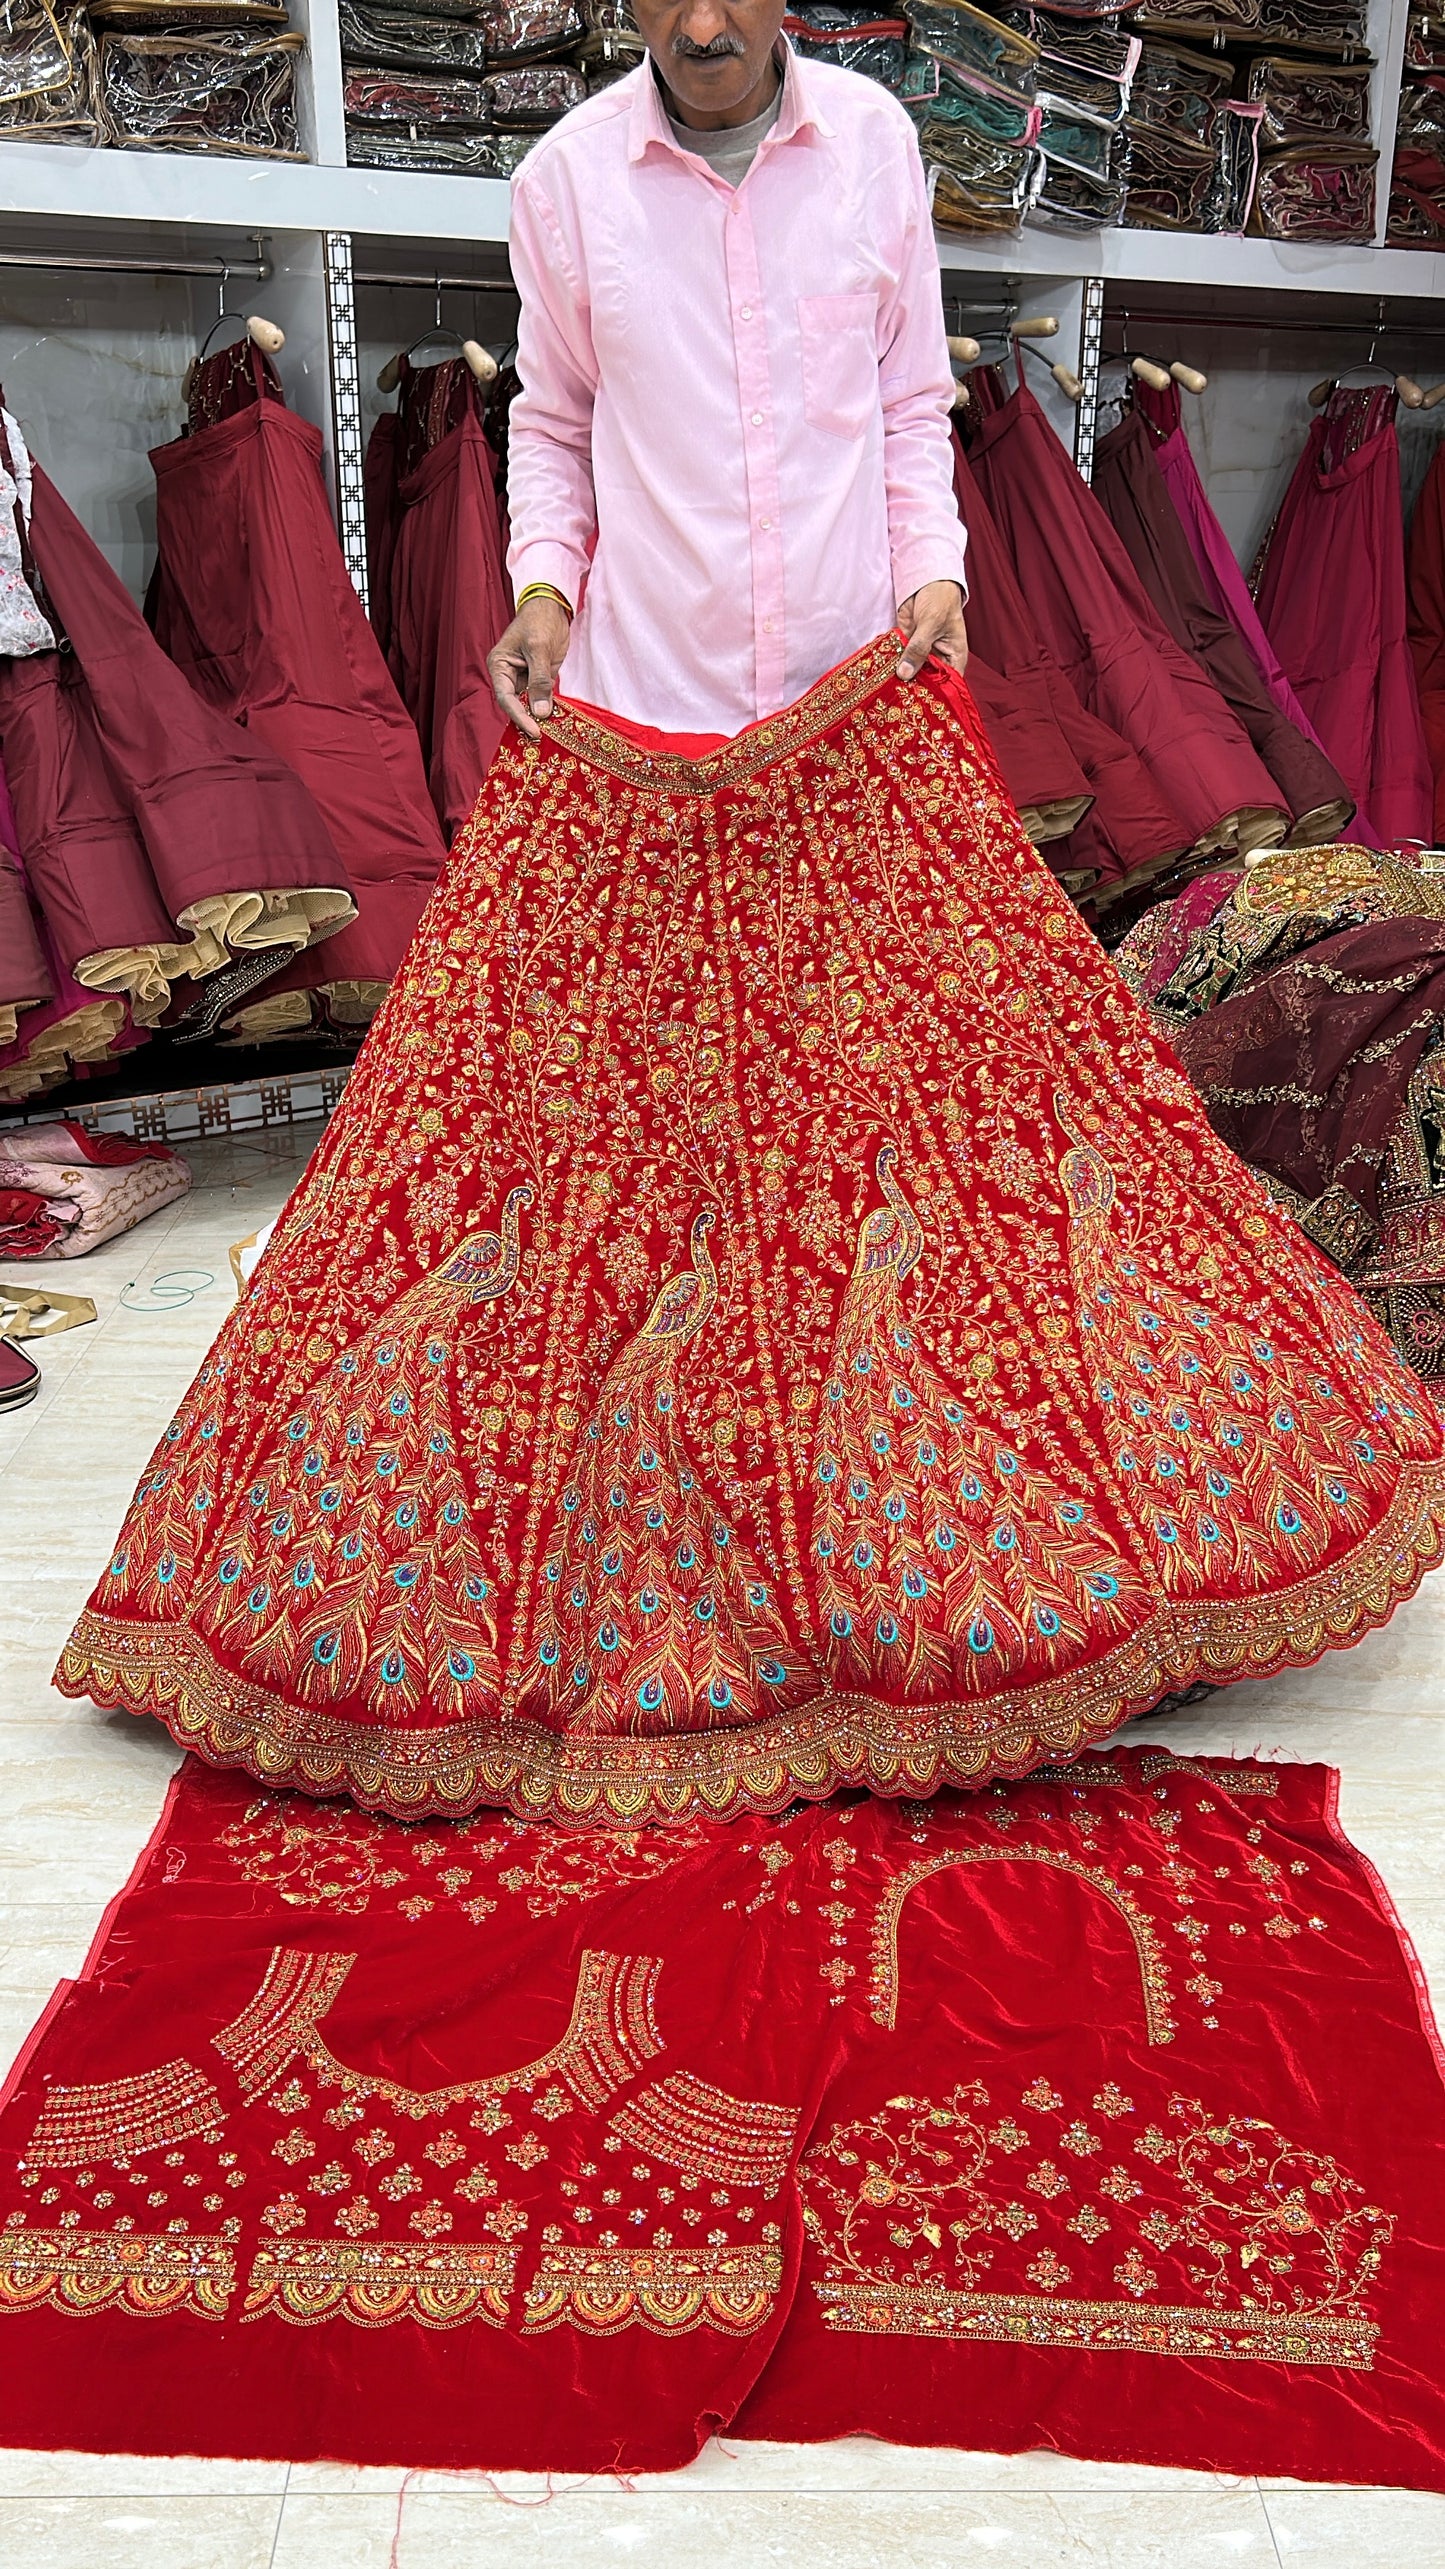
point(763, 744)
point(838, 1740)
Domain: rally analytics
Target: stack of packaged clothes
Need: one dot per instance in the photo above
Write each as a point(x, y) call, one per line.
point(152, 75)
point(64, 1191)
point(1269, 128)
point(1417, 185)
point(469, 88)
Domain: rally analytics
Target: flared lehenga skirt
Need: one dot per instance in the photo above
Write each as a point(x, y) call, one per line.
point(767, 1315)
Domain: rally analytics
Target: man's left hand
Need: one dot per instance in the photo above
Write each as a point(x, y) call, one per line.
point(932, 621)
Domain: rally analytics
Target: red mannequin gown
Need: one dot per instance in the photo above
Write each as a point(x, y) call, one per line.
point(767, 1315)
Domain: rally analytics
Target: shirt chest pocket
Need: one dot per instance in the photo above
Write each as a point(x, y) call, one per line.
point(840, 362)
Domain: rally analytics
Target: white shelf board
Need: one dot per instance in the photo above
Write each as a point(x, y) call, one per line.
point(239, 196)
point(197, 190)
point(1201, 260)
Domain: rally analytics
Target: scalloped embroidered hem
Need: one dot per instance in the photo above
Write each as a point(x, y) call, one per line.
point(836, 1741)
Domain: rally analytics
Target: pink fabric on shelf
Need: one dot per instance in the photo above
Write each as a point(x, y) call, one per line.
point(1331, 596)
point(758, 522)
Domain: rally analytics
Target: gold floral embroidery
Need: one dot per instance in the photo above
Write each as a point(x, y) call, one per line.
point(665, 2288)
point(1270, 2248)
point(122, 2115)
point(738, 2140)
point(147, 2274)
point(760, 747)
point(1153, 1972)
point(295, 1993)
point(374, 2283)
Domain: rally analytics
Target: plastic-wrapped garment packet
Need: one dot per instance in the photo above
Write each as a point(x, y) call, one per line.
point(1236, 166)
point(1068, 201)
point(853, 39)
point(608, 54)
point(184, 93)
point(49, 74)
point(1070, 139)
point(1169, 179)
point(1317, 192)
point(1304, 100)
point(1091, 66)
point(415, 98)
point(531, 96)
point(934, 96)
point(1316, 26)
point(530, 30)
point(465, 155)
point(959, 206)
point(967, 42)
point(405, 40)
point(1200, 20)
point(1176, 93)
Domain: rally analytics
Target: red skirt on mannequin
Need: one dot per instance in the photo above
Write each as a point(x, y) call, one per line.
point(767, 1314)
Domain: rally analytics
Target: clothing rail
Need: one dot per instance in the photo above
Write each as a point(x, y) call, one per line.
point(431, 283)
point(217, 269)
point(1366, 328)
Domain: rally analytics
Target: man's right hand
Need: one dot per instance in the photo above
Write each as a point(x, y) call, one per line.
point(524, 665)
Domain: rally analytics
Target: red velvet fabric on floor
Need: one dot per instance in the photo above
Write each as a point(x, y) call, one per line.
point(1099, 2111)
point(251, 596)
point(1331, 593)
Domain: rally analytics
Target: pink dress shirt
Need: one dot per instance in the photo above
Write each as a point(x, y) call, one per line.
point(741, 393)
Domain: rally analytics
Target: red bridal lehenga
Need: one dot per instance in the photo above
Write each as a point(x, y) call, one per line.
point(767, 1315)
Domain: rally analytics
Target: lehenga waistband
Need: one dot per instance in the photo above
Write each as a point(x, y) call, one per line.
point(600, 741)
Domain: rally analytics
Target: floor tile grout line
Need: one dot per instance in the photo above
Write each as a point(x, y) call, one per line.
point(280, 2516)
point(1269, 2526)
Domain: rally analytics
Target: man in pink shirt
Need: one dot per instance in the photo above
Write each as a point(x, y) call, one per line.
point(730, 464)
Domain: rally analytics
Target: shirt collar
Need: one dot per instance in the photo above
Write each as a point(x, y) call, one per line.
point(800, 111)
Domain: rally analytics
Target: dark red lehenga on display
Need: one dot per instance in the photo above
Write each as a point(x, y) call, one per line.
point(767, 1315)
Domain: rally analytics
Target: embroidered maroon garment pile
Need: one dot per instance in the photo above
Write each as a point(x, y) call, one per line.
point(1098, 2111)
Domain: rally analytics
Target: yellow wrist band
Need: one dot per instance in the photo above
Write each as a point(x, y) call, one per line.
point(544, 589)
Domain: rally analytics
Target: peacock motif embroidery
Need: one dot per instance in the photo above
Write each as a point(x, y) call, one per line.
point(354, 1566)
point(653, 1615)
point(945, 1560)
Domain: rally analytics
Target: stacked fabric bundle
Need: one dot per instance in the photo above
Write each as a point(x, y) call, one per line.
point(468, 87)
point(1085, 81)
point(1271, 127)
point(152, 75)
point(1306, 1001)
point(969, 84)
point(1417, 187)
point(156, 845)
point(64, 1191)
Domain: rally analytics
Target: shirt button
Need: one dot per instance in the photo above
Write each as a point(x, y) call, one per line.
point(757, 419)
point(765, 521)
point(767, 624)
point(747, 312)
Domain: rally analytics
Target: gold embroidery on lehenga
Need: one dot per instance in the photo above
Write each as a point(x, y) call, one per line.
point(735, 2140)
point(120, 2116)
point(147, 2274)
point(1267, 2250)
point(668, 2289)
point(373, 2283)
point(644, 1571)
point(1153, 1971)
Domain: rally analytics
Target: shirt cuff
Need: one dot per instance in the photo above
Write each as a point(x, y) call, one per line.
point(932, 558)
point(558, 566)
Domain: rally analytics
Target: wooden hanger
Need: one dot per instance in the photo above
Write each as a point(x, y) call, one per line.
point(479, 361)
point(263, 334)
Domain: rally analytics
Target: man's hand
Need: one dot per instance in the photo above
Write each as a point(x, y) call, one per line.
point(523, 666)
point(932, 620)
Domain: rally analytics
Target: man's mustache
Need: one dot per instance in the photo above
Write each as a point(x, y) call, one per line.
point(717, 51)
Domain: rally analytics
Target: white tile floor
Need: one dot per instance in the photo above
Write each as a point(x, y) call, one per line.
point(79, 1795)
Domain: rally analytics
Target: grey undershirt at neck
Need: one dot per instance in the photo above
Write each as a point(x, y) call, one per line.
point(730, 150)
